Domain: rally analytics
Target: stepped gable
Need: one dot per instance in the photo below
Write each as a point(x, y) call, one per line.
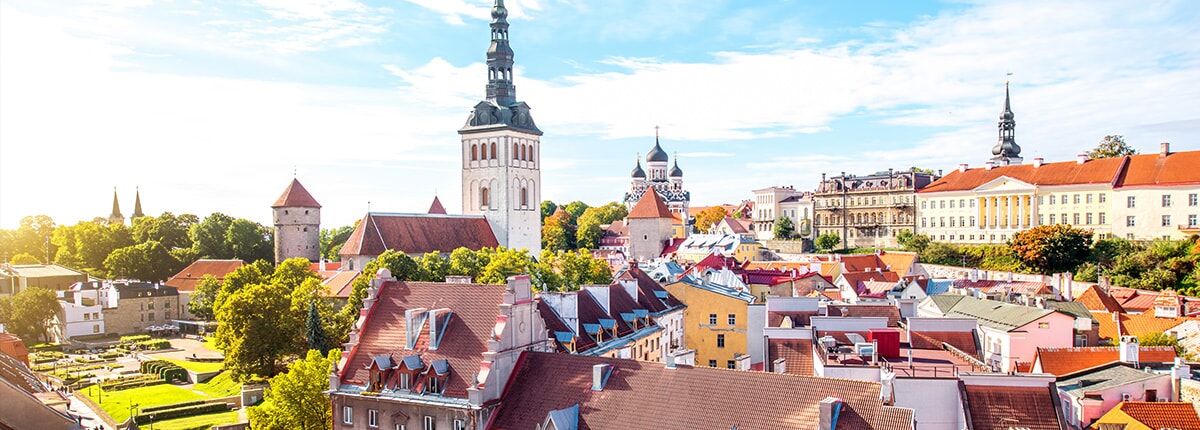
point(296, 196)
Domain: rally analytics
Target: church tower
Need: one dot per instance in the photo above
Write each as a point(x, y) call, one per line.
point(501, 152)
point(115, 217)
point(1006, 151)
point(137, 205)
point(297, 224)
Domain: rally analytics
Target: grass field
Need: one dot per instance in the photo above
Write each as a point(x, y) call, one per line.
point(197, 422)
point(196, 366)
point(116, 403)
point(219, 386)
point(211, 344)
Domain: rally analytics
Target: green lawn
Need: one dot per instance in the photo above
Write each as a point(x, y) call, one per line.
point(196, 366)
point(211, 344)
point(116, 403)
point(219, 386)
point(197, 422)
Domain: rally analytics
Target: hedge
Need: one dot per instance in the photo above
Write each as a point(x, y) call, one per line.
point(173, 406)
point(155, 344)
point(166, 370)
point(186, 411)
point(133, 384)
point(135, 338)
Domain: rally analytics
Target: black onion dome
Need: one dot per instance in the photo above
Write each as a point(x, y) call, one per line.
point(638, 172)
point(675, 171)
point(656, 154)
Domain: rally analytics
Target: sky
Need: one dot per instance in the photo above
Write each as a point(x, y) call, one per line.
point(214, 106)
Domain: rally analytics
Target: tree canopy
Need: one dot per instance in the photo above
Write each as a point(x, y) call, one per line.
point(827, 241)
point(1052, 248)
point(708, 218)
point(1111, 146)
point(296, 399)
point(784, 228)
point(28, 313)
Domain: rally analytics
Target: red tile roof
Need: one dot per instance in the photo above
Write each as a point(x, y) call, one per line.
point(797, 355)
point(1100, 171)
point(1097, 300)
point(341, 283)
point(998, 286)
point(436, 207)
point(1135, 324)
point(418, 234)
point(650, 206)
point(647, 395)
point(296, 196)
point(1062, 361)
point(738, 226)
point(899, 262)
point(475, 308)
point(1177, 168)
point(330, 266)
point(187, 278)
point(799, 318)
point(1162, 415)
point(1006, 408)
point(963, 340)
point(855, 279)
point(890, 312)
point(860, 263)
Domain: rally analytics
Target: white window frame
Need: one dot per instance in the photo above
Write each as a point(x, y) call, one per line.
point(430, 422)
point(347, 415)
point(372, 418)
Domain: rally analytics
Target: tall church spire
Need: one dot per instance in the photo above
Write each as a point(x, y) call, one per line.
point(500, 89)
point(137, 205)
point(1006, 150)
point(115, 217)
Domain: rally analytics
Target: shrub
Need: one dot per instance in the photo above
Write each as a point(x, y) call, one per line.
point(155, 344)
point(135, 338)
point(185, 411)
point(150, 409)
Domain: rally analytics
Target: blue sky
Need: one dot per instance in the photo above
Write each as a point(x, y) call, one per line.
point(211, 106)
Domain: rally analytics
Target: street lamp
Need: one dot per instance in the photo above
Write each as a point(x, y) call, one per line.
point(132, 407)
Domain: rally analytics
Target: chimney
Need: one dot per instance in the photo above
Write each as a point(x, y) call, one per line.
point(322, 267)
point(962, 167)
point(600, 373)
point(779, 365)
point(1037, 162)
point(1102, 282)
point(1129, 350)
point(633, 264)
point(743, 361)
point(939, 173)
point(458, 279)
point(1081, 158)
point(830, 407)
point(989, 165)
point(1164, 149)
point(1179, 372)
point(671, 361)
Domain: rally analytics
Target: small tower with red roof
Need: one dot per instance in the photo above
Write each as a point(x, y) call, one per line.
point(297, 224)
point(650, 226)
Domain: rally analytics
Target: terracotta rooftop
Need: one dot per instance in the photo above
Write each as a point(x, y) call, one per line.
point(1007, 408)
point(738, 226)
point(900, 262)
point(418, 234)
point(340, 283)
point(1177, 168)
point(963, 340)
point(1097, 300)
point(474, 309)
point(187, 278)
point(797, 355)
point(1062, 361)
point(650, 206)
point(890, 312)
point(1159, 415)
point(436, 207)
point(1135, 324)
point(855, 279)
point(999, 286)
point(860, 263)
point(296, 196)
point(1100, 171)
point(647, 395)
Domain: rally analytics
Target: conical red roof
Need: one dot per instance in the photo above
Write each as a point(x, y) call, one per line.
point(651, 205)
point(436, 207)
point(296, 196)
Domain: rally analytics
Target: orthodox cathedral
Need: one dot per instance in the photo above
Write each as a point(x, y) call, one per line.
point(668, 182)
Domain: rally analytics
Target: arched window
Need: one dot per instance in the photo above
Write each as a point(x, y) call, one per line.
point(484, 199)
point(531, 153)
point(524, 196)
point(523, 152)
point(515, 152)
point(493, 150)
point(474, 152)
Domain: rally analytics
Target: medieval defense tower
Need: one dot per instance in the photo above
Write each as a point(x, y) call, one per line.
point(297, 224)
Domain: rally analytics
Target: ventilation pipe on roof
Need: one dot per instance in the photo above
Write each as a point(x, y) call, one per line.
point(1081, 158)
point(779, 365)
point(962, 167)
point(1164, 149)
point(989, 165)
point(1037, 162)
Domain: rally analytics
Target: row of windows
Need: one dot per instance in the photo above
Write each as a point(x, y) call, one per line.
point(731, 364)
point(429, 421)
point(969, 221)
point(1192, 221)
point(712, 319)
point(869, 201)
point(488, 152)
point(868, 218)
point(485, 198)
point(1089, 198)
point(1193, 200)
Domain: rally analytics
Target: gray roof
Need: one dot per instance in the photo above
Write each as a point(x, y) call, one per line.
point(1076, 309)
point(945, 302)
point(997, 315)
point(1109, 377)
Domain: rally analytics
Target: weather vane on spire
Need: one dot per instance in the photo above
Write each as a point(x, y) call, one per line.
point(656, 132)
point(1006, 79)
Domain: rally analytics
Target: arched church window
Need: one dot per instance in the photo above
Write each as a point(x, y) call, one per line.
point(493, 150)
point(531, 153)
point(474, 152)
point(524, 196)
point(523, 152)
point(484, 200)
point(516, 154)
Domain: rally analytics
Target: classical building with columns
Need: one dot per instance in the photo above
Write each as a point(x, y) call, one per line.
point(868, 211)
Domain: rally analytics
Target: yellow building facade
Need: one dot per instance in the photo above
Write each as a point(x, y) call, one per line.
point(715, 322)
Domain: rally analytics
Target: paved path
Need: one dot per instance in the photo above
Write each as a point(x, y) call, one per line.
point(90, 418)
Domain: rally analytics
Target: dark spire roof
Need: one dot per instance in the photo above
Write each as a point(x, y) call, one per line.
point(1006, 146)
point(436, 207)
point(501, 108)
point(116, 211)
point(675, 171)
point(637, 170)
point(656, 153)
point(137, 204)
point(296, 196)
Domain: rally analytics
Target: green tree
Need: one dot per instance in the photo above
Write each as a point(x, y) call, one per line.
point(149, 261)
point(87, 245)
point(784, 228)
point(1111, 146)
point(254, 332)
point(293, 272)
point(311, 294)
point(827, 241)
point(941, 253)
point(258, 272)
point(548, 208)
point(315, 330)
point(504, 263)
point(250, 241)
point(32, 235)
point(709, 218)
point(575, 209)
point(1052, 248)
point(568, 270)
point(24, 258)
point(30, 313)
point(1163, 339)
point(208, 236)
point(921, 170)
point(167, 229)
point(432, 267)
point(558, 232)
point(912, 242)
point(296, 399)
point(465, 262)
point(333, 239)
point(587, 235)
point(201, 302)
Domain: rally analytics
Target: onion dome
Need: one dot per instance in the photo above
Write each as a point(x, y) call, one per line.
point(657, 154)
point(675, 171)
point(638, 172)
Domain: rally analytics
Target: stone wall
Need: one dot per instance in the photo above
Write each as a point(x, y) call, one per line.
point(1189, 391)
point(133, 315)
point(789, 246)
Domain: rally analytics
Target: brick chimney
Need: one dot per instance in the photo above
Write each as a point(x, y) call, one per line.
point(1037, 162)
point(830, 407)
point(1164, 149)
point(1081, 158)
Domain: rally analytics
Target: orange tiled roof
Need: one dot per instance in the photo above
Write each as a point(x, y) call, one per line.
point(341, 283)
point(1153, 169)
point(296, 196)
point(1005, 408)
point(1162, 415)
point(1135, 324)
point(797, 355)
point(187, 278)
point(900, 262)
point(651, 205)
point(1097, 300)
point(1101, 171)
point(1062, 361)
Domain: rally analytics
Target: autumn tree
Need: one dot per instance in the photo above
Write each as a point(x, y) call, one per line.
point(709, 218)
point(1111, 146)
point(558, 232)
point(1052, 248)
point(296, 399)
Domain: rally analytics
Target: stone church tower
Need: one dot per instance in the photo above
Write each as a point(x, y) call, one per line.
point(297, 224)
point(501, 152)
